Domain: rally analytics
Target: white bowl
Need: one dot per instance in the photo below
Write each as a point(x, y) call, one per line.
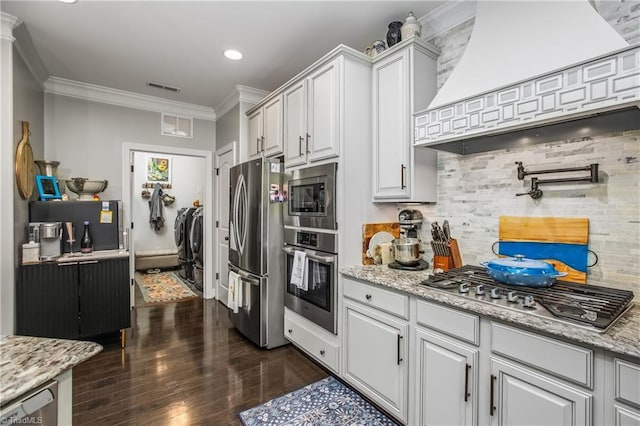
point(86, 188)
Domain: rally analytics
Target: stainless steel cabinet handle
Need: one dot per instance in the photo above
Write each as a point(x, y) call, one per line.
point(257, 144)
point(262, 143)
point(399, 359)
point(300, 145)
point(492, 407)
point(308, 136)
point(87, 262)
point(466, 382)
point(67, 264)
point(402, 169)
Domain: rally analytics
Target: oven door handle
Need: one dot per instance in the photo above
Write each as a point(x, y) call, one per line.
point(310, 255)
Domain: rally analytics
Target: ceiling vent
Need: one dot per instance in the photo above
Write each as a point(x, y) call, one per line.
point(163, 86)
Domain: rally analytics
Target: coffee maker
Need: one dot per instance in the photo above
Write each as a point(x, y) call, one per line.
point(410, 223)
point(49, 235)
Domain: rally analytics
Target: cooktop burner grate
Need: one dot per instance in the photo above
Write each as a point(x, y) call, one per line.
point(595, 306)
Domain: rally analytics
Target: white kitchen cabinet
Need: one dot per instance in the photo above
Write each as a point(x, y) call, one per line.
point(623, 391)
point(311, 116)
point(447, 380)
point(375, 356)
point(404, 81)
point(522, 396)
point(266, 130)
point(312, 339)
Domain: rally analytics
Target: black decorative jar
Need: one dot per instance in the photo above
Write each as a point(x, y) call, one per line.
point(393, 34)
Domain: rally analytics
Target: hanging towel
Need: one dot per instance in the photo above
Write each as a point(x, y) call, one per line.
point(299, 272)
point(235, 292)
point(155, 208)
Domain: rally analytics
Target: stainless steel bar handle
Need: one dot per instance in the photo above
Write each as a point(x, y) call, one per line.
point(288, 250)
point(402, 169)
point(318, 258)
point(67, 264)
point(308, 136)
point(300, 145)
point(262, 143)
point(87, 262)
point(257, 144)
point(399, 359)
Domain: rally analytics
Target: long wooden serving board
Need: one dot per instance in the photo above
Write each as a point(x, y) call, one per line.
point(560, 241)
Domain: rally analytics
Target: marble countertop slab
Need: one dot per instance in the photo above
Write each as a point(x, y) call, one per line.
point(623, 337)
point(27, 362)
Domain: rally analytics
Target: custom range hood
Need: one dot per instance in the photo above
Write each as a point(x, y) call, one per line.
point(534, 71)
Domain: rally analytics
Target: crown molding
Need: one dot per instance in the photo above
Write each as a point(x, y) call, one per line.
point(448, 16)
point(29, 54)
point(106, 95)
point(240, 94)
point(7, 24)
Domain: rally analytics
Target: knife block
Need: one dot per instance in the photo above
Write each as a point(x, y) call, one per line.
point(455, 260)
point(441, 262)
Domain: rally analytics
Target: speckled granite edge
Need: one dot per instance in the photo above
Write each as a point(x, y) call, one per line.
point(623, 337)
point(27, 362)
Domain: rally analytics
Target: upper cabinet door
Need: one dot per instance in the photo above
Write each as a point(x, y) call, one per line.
point(272, 127)
point(255, 134)
point(295, 127)
point(323, 129)
point(391, 121)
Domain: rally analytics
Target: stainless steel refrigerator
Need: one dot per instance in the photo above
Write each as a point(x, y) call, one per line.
point(255, 250)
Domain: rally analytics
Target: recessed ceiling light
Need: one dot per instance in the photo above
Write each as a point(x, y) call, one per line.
point(233, 55)
point(68, 1)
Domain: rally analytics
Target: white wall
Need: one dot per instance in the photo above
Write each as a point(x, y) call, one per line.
point(187, 181)
point(87, 137)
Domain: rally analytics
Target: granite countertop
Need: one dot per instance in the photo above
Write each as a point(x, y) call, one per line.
point(623, 337)
point(27, 362)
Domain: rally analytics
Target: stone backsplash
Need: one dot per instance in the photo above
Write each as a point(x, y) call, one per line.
point(475, 190)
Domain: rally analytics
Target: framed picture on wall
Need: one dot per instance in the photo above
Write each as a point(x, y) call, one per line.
point(158, 169)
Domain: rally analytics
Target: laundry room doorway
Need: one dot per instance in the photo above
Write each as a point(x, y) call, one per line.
point(168, 205)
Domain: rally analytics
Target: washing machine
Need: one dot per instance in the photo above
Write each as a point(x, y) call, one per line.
point(181, 233)
point(196, 239)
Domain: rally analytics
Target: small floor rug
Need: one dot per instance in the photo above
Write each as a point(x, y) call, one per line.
point(162, 287)
point(326, 402)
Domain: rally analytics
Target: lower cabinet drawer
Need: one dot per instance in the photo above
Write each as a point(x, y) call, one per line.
point(460, 325)
point(377, 297)
point(627, 382)
point(562, 359)
point(312, 343)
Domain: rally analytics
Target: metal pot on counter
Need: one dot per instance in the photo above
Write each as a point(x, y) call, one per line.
point(406, 251)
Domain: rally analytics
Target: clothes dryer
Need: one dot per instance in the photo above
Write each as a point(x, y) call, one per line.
point(181, 232)
point(196, 240)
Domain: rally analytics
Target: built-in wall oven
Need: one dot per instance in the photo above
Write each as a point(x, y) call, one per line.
point(311, 197)
point(314, 296)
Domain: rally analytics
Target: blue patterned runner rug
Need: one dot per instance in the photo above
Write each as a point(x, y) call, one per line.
point(326, 402)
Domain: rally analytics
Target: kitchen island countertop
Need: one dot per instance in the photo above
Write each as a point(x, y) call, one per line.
point(623, 337)
point(27, 362)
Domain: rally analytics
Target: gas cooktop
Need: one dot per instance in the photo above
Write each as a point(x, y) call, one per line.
point(590, 307)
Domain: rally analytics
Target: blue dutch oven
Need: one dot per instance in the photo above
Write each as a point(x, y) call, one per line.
point(521, 271)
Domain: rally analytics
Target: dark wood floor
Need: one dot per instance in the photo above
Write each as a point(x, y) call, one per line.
point(184, 364)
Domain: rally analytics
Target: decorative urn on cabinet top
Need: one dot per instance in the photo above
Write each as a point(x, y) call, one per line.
point(393, 34)
point(411, 27)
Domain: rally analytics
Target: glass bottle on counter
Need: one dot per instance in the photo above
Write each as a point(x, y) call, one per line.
point(86, 244)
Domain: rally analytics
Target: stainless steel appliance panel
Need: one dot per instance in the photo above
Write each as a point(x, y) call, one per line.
point(39, 406)
point(311, 197)
point(250, 320)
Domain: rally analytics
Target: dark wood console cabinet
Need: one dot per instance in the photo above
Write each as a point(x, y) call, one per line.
point(73, 300)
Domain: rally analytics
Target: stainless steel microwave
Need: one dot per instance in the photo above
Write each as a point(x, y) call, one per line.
point(311, 197)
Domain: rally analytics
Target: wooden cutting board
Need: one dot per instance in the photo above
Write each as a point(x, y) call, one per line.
point(371, 229)
point(560, 241)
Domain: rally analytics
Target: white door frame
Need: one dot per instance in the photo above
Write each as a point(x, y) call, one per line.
point(232, 146)
point(127, 160)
